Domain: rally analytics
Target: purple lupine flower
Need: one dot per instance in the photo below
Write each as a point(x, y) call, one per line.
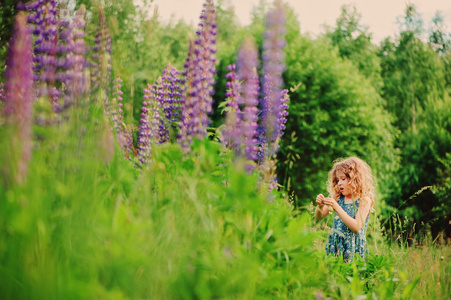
point(116, 113)
point(144, 133)
point(19, 95)
point(265, 111)
point(172, 97)
point(273, 66)
point(205, 69)
point(247, 61)
point(233, 87)
point(150, 124)
point(161, 98)
point(284, 98)
point(232, 136)
point(55, 100)
point(190, 111)
point(154, 114)
point(201, 77)
point(72, 62)
point(43, 14)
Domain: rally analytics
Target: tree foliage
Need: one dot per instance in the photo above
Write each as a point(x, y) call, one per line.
point(354, 43)
point(412, 72)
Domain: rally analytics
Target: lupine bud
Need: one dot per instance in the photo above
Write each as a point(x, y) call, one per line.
point(18, 101)
point(43, 15)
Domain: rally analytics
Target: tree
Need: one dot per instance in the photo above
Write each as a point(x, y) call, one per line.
point(412, 73)
point(440, 41)
point(354, 43)
point(425, 167)
point(415, 90)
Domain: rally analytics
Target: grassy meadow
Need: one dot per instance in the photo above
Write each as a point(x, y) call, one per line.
point(86, 224)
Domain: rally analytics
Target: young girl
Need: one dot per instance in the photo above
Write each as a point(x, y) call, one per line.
point(350, 186)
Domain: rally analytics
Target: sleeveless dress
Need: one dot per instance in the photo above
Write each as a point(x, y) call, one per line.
point(344, 242)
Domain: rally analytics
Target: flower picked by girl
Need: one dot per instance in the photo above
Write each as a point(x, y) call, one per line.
point(351, 196)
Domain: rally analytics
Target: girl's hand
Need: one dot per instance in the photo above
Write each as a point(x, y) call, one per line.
point(320, 200)
point(331, 202)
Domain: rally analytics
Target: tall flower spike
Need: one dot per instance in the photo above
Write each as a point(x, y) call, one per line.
point(72, 60)
point(123, 132)
point(116, 112)
point(190, 111)
point(43, 14)
point(205, 60)
point(150, 125)
point(201, 75)
point(161, 99)
point(172, 99)
point(265, 112)
point(18, 101)
point(247, 62)
point(232, 136)
point(273, 66)
point(284, 98)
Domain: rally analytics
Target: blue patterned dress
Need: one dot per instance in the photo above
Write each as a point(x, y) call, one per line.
point(344, 242)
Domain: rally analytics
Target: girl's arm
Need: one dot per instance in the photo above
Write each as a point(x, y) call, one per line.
point(321, 210)
point(354, 224)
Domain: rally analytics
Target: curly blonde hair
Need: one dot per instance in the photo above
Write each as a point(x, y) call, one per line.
point(359, 175)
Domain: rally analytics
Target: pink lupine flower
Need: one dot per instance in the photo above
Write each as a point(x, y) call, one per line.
point(17, 108)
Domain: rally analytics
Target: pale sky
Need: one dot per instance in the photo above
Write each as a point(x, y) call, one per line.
point(379, 15)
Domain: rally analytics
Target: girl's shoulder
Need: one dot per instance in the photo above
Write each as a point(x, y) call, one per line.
point(365, 201)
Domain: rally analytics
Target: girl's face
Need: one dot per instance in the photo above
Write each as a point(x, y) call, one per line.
point(342, 183)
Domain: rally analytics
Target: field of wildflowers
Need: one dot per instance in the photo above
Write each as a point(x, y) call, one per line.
point(93, 207)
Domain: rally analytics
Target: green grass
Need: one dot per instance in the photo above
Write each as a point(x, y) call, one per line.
point(87, 224)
